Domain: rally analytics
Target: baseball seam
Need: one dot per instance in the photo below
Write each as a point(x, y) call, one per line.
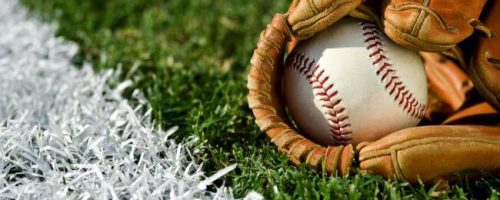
point(325, 93)
point(387, 73)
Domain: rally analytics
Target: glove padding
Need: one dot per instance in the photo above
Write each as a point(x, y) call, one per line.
point(432, 153)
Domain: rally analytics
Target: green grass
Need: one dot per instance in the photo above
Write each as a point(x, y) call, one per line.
point(192, 58)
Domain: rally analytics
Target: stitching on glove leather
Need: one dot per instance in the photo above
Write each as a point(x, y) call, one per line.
point(415, 43)
point(387, 73)
point(417, 24)
point(325, 93)
point(411, 5)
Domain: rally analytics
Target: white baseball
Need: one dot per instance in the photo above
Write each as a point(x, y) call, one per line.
point(350, 84)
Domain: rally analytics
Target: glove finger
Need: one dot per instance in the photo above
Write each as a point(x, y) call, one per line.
point(432, 153)
point(430, 25)
point(307, 17)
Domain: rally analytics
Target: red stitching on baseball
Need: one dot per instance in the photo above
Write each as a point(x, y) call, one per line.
point(338, 123)
point(402, 94)
point(375, 44)
point(372, 37)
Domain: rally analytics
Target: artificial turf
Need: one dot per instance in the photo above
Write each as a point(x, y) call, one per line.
point(191, 59)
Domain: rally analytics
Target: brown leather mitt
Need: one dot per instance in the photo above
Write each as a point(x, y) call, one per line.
point(484, 65)
point(433, 153)
point(394, 155)
point(305, 18)
point(430, 25)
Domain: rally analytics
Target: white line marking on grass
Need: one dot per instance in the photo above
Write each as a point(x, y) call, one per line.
point(64, 134)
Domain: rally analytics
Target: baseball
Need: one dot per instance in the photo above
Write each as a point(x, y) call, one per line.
point(350, 84)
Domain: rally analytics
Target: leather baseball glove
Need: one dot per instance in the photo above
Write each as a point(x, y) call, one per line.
point(427, 153)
